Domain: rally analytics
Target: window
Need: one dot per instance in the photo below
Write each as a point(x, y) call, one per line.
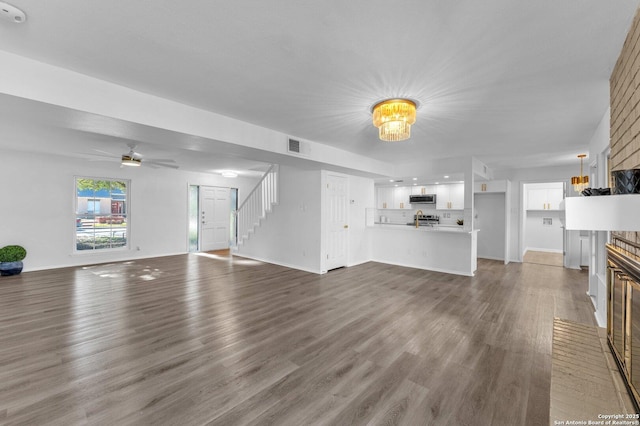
point(101, 214)
point(93, 206)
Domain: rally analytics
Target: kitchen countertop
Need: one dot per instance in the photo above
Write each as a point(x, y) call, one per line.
point(436, 228)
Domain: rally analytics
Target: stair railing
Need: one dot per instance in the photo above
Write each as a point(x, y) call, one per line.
point(259, 201)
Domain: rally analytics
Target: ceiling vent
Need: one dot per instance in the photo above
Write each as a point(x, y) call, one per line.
point(298, 147)
point(294, 146)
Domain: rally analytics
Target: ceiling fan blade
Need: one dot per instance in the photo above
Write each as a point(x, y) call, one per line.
point(98, 157)
point(105, 153)
point(103, 160)
point(160, 160)
point(160, 164)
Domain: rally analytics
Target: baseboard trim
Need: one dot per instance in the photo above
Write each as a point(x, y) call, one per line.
point(286, 265)
point(445, 271)
point(491, 258)
point(546, 250)
point(100, 261)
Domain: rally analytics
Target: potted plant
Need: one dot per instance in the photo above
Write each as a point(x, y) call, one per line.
point(11, 259)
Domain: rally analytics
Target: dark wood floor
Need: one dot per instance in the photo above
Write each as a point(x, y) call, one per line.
point(190, 340)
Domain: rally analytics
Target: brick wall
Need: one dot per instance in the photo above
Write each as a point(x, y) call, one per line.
point(625, 110)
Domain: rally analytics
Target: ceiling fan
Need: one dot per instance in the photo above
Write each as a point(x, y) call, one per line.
point(135, 159)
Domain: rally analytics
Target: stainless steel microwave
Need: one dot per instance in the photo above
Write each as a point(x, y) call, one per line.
point(422, 199)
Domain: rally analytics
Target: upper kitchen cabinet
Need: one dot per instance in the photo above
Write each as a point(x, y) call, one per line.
point(450, 196)
point(401, 197)
point(547, 196)
point(393, 197)
point(423, 189)
point(491, 186)
point(384, 197)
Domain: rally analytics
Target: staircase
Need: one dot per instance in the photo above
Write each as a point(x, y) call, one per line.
point(256, 206)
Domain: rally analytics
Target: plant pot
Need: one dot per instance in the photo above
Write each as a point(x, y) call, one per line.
point(10, 268)
point(626, 181)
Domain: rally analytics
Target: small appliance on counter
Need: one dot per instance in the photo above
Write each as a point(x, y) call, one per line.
point(425, 220)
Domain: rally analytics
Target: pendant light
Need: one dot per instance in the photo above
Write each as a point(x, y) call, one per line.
point(580, 183)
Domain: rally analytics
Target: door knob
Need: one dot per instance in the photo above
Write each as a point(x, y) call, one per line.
point(346, 226)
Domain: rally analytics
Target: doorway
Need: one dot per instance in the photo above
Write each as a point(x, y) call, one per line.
point(490, 217)
point(543, 236)
point(336, 214)
point(211, 217)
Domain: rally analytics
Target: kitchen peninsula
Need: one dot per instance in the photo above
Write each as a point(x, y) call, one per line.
point(441, 243)
point(439, 248)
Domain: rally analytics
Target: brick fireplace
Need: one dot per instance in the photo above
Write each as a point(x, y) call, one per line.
point(625, 114)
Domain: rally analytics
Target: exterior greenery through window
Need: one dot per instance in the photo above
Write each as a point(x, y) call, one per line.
point(101, 214)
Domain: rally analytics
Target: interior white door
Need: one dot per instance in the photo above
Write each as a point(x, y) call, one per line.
point(337, 220)
point(215, 210)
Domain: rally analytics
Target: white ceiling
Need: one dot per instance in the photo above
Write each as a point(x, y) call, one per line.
point(513, 83)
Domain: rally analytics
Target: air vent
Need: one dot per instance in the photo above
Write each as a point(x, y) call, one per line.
point(294, 146)
point(298, 147)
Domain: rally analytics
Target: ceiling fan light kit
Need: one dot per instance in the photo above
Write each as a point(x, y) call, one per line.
point(131, 161)
point(11, 13)
point(393, 118)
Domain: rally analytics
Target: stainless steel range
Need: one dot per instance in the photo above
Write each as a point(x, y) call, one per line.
point(425, 220)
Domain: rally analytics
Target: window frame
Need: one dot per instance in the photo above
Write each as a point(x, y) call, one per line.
point(126, 215)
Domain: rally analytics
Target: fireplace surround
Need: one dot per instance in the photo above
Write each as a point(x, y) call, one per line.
point(623, 313)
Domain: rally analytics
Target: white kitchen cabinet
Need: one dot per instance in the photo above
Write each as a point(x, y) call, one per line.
point(555, 196)
point(393, 197)
point(491, 186)
point(423, 189)
point(450, 196)
point(456, 196)
point(537, 199)
point(385, 197)
point(544, 198)
point(401, 197)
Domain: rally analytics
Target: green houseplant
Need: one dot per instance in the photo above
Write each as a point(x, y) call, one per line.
point(11, 259)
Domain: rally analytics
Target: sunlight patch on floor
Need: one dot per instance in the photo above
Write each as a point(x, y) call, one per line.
point(124, 270)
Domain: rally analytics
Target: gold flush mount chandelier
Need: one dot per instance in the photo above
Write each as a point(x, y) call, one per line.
point(581, 182)
point(393, 118)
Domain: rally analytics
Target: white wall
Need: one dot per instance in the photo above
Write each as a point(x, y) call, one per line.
point(290, 234)
point(541, 237)
point(598, 152)
point(38, 208)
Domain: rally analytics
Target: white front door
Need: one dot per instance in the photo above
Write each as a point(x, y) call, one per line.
point(215, 210)
point(337, 220)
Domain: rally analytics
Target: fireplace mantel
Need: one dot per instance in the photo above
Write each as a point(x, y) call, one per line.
point(603, 213)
